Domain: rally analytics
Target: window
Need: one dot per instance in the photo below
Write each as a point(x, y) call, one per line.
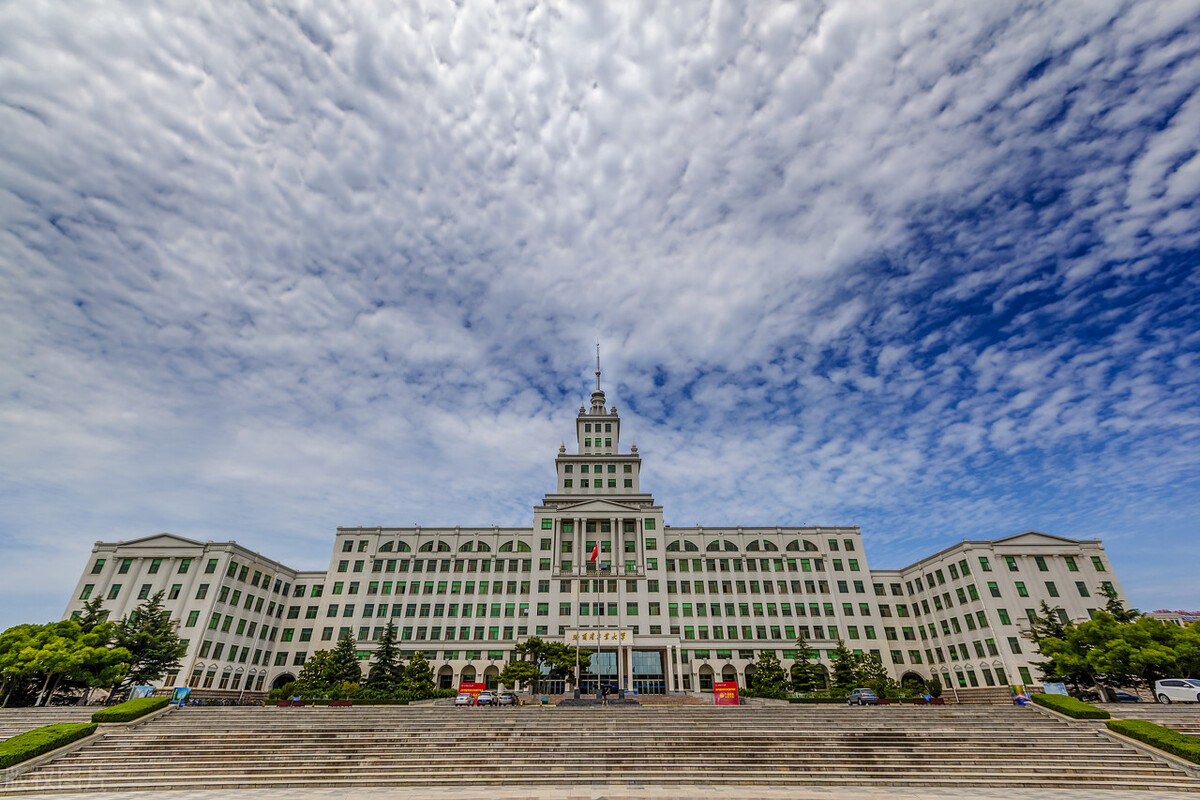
point(175, 590)
point(184, 565)
point(1071, 565)
point(1014, 644)
point(1041, 564)
point(126, 563)
point(1003, 614)
point(1021, 590)
point(98, 566)
point(154, 565)
point(1051, 588)
point(984, 565)
point(649, 525)
point(1097, 564)
point(113, 591)
point(211, 567)
point(993, 588)
point(1082, 588)
point(1011, 562)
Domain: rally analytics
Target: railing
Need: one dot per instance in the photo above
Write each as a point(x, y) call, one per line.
point(599, 572)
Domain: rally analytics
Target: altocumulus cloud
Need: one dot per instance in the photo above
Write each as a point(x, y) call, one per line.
point(930, 268)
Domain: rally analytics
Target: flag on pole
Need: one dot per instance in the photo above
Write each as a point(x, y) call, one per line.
point(595, 552)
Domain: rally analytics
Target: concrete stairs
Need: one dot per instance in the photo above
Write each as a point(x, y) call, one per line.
point(897, 746)
point(19, 720)
point(1183, 717)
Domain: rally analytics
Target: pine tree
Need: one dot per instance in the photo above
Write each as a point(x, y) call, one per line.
point(314, 675)
point(343, 663)
point(1114, 606)
point(92, 614)
point(384, 675)
point(417, 683)
point(843, 667)
point(154, 647)
point(806, 676)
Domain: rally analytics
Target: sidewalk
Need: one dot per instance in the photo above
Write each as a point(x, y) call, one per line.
point(622, 792)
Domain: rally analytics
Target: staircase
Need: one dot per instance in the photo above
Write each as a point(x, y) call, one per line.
point(19, 720)
point(1183, 717)
point(895, 746)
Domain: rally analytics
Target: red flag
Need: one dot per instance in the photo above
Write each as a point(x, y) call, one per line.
point(595, 552)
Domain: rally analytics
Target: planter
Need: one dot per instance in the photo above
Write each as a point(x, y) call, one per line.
point(340, 703)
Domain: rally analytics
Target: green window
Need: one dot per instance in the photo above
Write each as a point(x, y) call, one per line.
point(547, 524)
point(191, 619)
point(211, 567)
point(1051, 588)
point(649, 525)
point(1011, 561)
point(1097, 564)
point(1021, 590)
point(1003, 614)
point(1041, 564)
point(154, 565)
point(1071, 565)
point(98, 566)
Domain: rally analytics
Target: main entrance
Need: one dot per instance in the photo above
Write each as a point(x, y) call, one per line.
point(647, 666)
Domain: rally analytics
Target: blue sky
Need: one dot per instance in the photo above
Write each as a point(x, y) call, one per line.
point(927, 268)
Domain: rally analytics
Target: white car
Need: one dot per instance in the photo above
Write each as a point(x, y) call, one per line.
point(1177, 690)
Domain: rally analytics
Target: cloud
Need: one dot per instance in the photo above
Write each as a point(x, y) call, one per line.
point(923, 267)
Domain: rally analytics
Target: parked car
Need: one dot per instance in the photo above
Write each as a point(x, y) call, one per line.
point(1177, 690)
point(487, 698)
point(507, 699)
point(464, 699)
point(1125, 697)
point(862, 697)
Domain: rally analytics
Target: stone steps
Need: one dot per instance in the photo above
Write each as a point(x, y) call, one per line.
point(20, 720)
point(222, 749)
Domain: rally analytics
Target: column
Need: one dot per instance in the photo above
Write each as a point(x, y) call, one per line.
point(579, 554)
point(614, 539)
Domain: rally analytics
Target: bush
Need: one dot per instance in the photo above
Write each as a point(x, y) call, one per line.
point(33, 743)
point(1069, 706)
point(131, 709)
point(1180, 744)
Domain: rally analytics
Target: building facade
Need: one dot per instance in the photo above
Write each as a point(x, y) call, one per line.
point(667, 608)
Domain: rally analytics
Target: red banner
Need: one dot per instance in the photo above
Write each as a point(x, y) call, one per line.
point(726, 693)
point(472, 689)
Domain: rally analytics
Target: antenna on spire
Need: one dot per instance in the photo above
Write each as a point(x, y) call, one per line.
point(597, 366)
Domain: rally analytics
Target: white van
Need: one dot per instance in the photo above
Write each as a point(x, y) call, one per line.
point(1177, 690)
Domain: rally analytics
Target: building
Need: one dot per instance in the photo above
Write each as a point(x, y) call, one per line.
point(669, 608)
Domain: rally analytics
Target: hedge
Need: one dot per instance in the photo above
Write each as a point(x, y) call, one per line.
point(838, 700)
point(33, 743)
point(130, 709)
point(1069, 706)
point(1180, 744)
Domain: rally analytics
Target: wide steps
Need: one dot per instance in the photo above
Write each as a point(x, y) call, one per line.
point(226, 749)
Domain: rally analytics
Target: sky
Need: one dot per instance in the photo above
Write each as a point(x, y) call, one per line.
point(929, 268)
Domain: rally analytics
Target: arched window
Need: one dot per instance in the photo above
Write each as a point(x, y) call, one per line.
point(386, 547)
point(793, 545)
point(507, 547)
point(713, 546)
point(426, 548)
point(752, 547)
point(402, 547)
point(483, 547)
point(809, 545)
point(442, 547)
point(730, 546)
point(691, 547)
point(769, 545)
point(673, 547)
point(523, 547)
point(468, 547)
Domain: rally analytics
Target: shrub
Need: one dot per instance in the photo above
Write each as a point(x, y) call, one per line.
point(33, 743)
point(131, 709)
point(806, 700)
point(1180, 744)
point(1069, 706)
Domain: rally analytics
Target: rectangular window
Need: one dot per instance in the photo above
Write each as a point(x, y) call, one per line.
point(154, 565)
point(1051, 588)
point(1021, 590)
point(98, 566)
point(1041, 564)
point(126, 563)
point(1097, 564)
point(1082, 588)
point(113, 591)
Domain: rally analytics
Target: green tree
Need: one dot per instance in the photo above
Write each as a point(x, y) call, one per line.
point(384, 674)
point(806, 676)
point(870, 672)
point(520, 673)
point(343, 663)
point(843, 667)
point(93, 614)
point(314, 675)
point(769, 679)
point(560, 659)
point(1114, 606)
point(417, 681)
point(935, 687)
point(154, 647)
point(61, 651)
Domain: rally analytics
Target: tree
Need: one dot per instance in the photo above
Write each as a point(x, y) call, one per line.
point(935, 687)
point(769, 679)
point(870, 672)
point(520, 673)
point(806, 676)
point(154, 647)
point(417, 681)
point(560, 658)
point(384, 675)
point(93, 614)
point(343, 663)
point(843, 667)
point(1114, 606)
point(314, 675)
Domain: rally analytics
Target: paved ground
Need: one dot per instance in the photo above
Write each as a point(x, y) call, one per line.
point(617, 792)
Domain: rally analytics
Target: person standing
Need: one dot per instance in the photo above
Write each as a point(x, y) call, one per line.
point(604, 695)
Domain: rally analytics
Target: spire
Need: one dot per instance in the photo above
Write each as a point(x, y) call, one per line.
point(598, 395)
point(597, 366)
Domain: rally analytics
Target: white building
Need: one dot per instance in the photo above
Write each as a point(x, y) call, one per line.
point(671, 609)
